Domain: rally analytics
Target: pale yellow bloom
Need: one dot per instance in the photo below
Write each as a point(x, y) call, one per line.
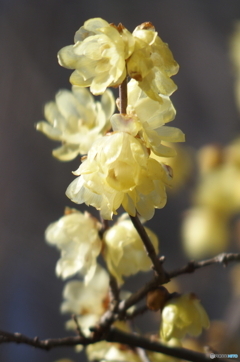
point(87, 302)
point(205, 232)
point(219, 189)
point(152, 63)
point(147, 118)
point(98, 55)
point(183, 315)
point(76, 120)
point(118, 171)
point(76, 236)
point(124, 251)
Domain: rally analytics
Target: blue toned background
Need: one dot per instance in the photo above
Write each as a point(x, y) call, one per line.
point(32, 183)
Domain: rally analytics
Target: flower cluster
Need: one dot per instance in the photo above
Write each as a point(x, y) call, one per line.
point(104, 54)
point(122, 166)
point(118, 171)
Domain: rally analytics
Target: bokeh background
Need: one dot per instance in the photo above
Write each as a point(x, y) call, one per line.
point(33, 183)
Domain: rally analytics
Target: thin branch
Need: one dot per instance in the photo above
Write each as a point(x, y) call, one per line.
point(223, 259)
point(114, 335)
point(123, 96)
point(150, 249)
point(134, 298)
point(79, 330)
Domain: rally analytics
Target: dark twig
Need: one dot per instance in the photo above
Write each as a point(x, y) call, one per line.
point(189, 268)
point(79, 330)
point(223, 258)
point(114, 335)
point(150, 249)
point(123, 96)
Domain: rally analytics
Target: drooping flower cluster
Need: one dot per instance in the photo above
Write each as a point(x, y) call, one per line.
point(76, 236)
point(104, 54)
point(146, 119)
point(118, 171)
point(76, 120)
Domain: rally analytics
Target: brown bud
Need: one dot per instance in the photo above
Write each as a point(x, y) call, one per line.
point(157, 298)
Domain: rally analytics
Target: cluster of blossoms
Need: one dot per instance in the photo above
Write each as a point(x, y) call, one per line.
point(124, 164)
point(216, 201)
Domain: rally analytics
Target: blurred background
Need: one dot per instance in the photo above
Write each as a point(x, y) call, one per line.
point(33, 183)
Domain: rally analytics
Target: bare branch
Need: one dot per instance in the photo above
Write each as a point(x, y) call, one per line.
point(123, 96)
point(223, 258)
point(114, 335)
point(150, 249)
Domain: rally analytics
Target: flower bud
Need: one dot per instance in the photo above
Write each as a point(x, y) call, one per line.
point(157, 298)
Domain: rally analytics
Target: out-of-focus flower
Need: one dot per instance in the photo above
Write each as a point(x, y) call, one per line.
point(118, 171)
point(111, 352)
point(76, 120)
point(219, 189)
point(98, 55)
point(235, 56)
point(87, 302)
point(152, 63)
point(124, 251)
point(183, 315)
point(76, 235)
point(181, 165)
point(147, 118)
point(209, 157)
point(205, 232)
point(160, 357)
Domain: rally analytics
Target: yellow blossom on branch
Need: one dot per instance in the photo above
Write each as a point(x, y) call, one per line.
point(76, 236)
point(124, 251)
point(87, 302)
point(104, 54)
point(152, 63)
point(146, 118)
point(118, 171)
point(76, 120)
point(98, 55)
point(183, 315)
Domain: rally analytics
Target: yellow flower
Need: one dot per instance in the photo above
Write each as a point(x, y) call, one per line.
point(124, 251)
point(76, 236)
point(98, 55)
point(205, 232)
point(118, 171)
point(87, 302)
point(183, 315)
point(147, 118)
point(76, 120)
point(152, 63)
point(111, 352)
